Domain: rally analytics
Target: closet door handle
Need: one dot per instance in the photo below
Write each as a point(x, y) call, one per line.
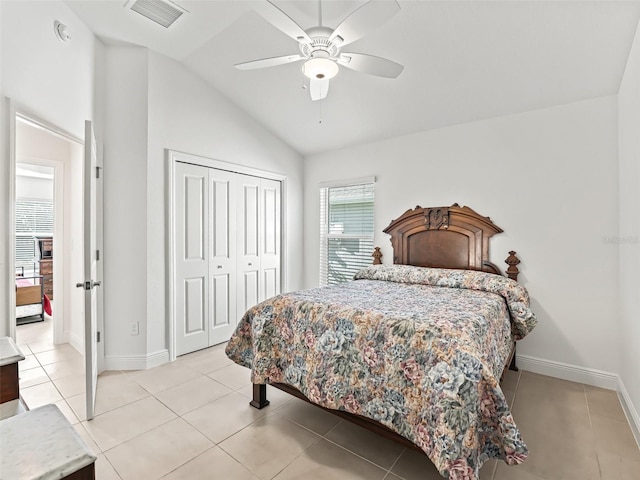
point(219, 266)
point(249, 263)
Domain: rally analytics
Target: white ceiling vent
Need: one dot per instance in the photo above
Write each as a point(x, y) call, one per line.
point(163, 12)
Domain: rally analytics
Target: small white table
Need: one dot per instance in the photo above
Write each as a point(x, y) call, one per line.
point(41, 444)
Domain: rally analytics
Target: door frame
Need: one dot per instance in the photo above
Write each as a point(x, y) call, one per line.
point(173, 156)
point(16, 111)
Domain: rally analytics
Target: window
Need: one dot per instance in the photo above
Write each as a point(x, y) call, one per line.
point(33, 218)
point(346, 231)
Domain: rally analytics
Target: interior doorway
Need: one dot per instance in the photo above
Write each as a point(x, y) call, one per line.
point(34, 219)
point(48, 217)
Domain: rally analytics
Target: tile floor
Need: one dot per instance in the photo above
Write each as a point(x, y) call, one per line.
point(191, 420)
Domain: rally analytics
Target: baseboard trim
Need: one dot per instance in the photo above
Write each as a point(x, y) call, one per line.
point(629, 410)
point(76, 341)
point(136, 362)
point(158, 358)
point(565, 371)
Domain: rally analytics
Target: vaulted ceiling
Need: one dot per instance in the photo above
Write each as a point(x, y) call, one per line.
point(464, 61)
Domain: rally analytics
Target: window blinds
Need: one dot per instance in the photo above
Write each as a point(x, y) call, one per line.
point(33, 218)
point(346, 231)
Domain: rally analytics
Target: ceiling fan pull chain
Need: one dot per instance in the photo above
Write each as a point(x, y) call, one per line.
point(320, 112)
point(320, 11)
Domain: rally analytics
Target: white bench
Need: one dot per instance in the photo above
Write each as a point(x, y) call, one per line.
point(41, 444)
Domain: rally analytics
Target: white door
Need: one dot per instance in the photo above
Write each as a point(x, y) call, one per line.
point(90, 270)
point(226, 251)
point(191, 257)
point(270, 245)
point(249, 233)
point(222, 260)
point(258, 241)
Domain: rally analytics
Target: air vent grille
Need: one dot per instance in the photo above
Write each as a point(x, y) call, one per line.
point(161, 12)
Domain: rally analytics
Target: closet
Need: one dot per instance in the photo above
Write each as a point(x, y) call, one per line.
point(226, 251)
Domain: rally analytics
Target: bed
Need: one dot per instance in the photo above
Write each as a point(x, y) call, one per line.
point(414, 350)
point(31, 301)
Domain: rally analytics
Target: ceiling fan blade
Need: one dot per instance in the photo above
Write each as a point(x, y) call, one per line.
point(366, 18)
point(371, 64)
point(318, 88)
point(281, 21)
point(268, 62)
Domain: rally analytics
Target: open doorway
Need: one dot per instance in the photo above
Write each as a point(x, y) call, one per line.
point(48, 207)
point(34, 252)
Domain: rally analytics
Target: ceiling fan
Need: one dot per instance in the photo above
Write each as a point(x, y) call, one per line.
point(320, 46)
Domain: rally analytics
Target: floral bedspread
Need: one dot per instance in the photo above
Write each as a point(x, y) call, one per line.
point(420, 350)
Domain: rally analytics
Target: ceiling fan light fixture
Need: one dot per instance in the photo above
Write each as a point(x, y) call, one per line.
point(320, 68)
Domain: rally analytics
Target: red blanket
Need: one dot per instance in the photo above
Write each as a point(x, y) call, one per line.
point(46, 304)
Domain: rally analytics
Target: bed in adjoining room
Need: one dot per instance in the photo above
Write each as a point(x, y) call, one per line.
point(31, 301)
point(414, 351)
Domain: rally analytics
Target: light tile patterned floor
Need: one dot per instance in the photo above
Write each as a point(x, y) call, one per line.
point(191, 420)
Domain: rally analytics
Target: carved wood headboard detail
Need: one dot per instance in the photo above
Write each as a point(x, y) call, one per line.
point(446, 237)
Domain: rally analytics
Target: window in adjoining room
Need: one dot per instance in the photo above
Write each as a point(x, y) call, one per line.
point(33, 218)
point(346, 230)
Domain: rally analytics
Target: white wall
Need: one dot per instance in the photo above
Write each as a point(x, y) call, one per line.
point(187, 115)
point(49, 79)
point(34, 188)
point(53, 80)
point(548, 178)
point(629, 236)
point(125, 200)
point(155, 104)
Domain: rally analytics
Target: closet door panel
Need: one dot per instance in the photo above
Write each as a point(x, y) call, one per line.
point(220, 294)
point(194, 306)
point(249, 238)
point(271, 282)
point(227, 251)
point(194, 230)
point(222, 265)
point(270, 245)
point(250, 290)
point(191, 211)
point(250, 211)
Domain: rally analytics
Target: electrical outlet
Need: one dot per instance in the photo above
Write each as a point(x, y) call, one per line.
point(134, 329)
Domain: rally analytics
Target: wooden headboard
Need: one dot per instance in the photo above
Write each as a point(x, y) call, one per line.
point(446, 237)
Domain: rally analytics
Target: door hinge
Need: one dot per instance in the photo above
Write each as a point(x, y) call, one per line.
point(98, 172)
point(98, 337)
point(97, 254)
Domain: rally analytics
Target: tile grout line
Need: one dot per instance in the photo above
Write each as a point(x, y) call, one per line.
point(495, 468)
point(192, 459)
point(389, 472)
point(323, 437)
point(586, 400)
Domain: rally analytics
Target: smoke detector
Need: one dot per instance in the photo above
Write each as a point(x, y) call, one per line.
point(62, 32)
point(162, 12)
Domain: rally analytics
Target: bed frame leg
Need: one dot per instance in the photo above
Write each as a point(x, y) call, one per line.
point(512, 365)
point(259, 396)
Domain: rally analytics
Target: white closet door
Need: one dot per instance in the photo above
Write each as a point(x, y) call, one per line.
point(227, 251)
point(191, 212)
point(270, 245)
point(249, 233)
point(222, 263)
